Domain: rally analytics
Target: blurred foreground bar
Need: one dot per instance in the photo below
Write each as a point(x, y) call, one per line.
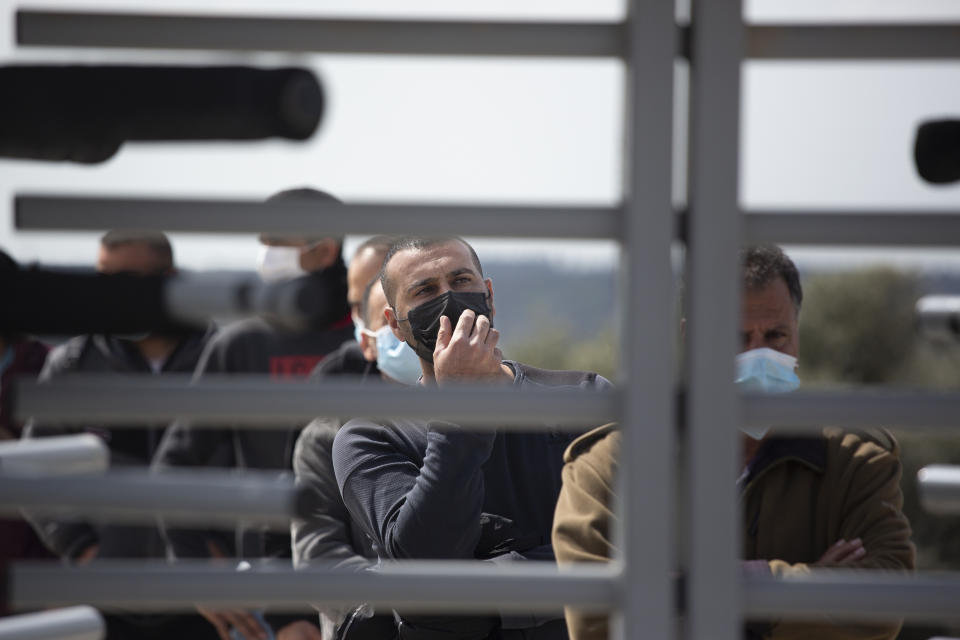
point(939, 488)
point(71, 623)
point(59, 455)
point(203, 497)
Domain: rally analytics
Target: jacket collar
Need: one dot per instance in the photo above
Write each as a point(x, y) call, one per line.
point(809, 450)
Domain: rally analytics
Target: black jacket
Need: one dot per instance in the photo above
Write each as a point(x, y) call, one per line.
point(128, 446)
point(427, 489)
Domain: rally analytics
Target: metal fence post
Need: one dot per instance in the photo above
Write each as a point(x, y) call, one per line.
point(646, 482)
point(713, 599)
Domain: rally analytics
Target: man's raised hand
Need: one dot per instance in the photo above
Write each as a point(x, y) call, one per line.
point(468, 352)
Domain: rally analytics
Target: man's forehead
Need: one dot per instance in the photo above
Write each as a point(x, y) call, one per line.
point(769, 302)
point(413, 265)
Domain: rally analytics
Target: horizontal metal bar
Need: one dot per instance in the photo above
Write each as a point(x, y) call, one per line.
point(138, 496)
point(80, 213)
point(247, 401)
point(166, 31)
point(258, 402)
point(439, 586)
point(939, 488)
point(407, 586)
point(894, 228)
point(854, 41)
point(855, 408)
point(65, 213)
point(169, 31)
point(851, 595)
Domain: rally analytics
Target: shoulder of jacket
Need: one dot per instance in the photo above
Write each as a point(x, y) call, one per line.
point(603, 440)
point(861, 441)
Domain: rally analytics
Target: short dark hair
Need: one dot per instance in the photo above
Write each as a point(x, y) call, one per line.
point(763, 264)
point(305, 195)
point(418, 243)
point(156, 241)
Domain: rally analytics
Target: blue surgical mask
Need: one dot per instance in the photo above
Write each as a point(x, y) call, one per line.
point(395, 358)
point(768, 371)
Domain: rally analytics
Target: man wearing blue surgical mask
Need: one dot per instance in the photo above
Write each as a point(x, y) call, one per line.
point(363, 269)
point(831, 499)
point(396, 361)
point(326, 533)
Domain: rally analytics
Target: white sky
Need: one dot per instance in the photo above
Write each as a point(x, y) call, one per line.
point(515, 131)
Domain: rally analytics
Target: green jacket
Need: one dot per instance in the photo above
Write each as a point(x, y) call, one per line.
point(800, 496)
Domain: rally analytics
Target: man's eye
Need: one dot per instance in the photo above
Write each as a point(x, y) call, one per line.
point(462, 280)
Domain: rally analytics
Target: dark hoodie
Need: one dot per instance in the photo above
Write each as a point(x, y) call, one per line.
point(128, 446)
point(255, 346)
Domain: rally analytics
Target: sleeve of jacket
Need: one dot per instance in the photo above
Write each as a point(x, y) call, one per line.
point(66, 538)
point(866, 473)
point(581, 524)
point(411, 510)
point(324, 533)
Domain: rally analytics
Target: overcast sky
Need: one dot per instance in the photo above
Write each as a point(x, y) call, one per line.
point(516, 131)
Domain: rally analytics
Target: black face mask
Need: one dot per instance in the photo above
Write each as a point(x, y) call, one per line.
point(425, 319)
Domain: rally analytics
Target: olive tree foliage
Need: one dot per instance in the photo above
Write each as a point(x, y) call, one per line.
point(858, 328)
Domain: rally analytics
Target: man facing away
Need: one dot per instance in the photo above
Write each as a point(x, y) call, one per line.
point(143, 253)
point(829, 500)
point(431, 489)
point(257, 346)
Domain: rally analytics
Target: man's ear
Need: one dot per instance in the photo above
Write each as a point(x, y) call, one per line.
point(369, 347)
point(391, 317)
point(322, 254)
point(489, 283)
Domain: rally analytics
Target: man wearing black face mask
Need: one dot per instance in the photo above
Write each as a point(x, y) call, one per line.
point(429, 489)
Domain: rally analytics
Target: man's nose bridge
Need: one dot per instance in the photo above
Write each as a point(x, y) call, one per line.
point(754, 340)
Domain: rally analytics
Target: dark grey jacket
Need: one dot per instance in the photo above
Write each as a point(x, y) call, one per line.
point(128, 446)
point(249, 346)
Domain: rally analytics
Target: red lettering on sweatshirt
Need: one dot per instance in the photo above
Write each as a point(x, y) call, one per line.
point(293, 366)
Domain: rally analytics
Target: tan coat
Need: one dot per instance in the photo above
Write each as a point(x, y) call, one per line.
point(802, 495)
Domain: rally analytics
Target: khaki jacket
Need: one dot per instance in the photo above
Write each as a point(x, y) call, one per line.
point(800, 496)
